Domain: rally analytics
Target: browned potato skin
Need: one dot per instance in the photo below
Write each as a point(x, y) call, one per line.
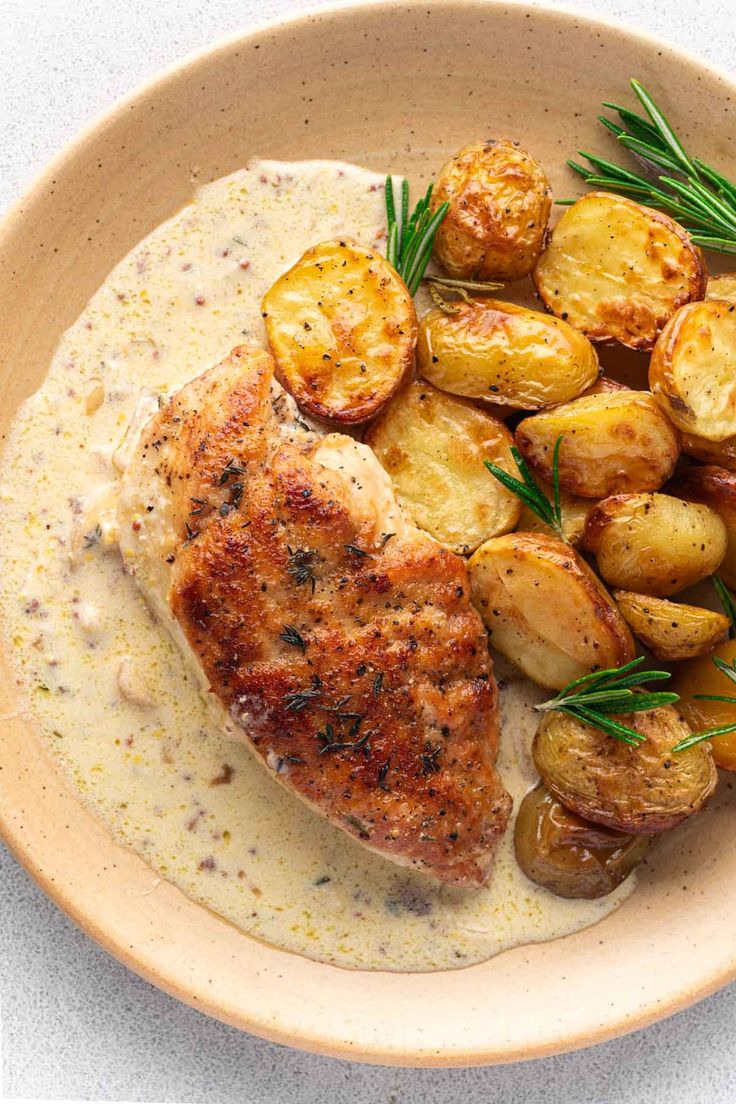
point(342, 328)
point(604, 385)
point(574, 512)
point(671, 630)
point(720, 453)
point(722, 286)
point(569, 856)
point(692, 371)
point(433, 446)
point(500, 201)
point(545, 610)
point(505, 354)
point(613, 443)
point(654, 544)
point(642, 790)
point(714, 487)
point(582, 276)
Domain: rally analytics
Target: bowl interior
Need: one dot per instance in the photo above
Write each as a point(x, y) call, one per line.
point(398, 86)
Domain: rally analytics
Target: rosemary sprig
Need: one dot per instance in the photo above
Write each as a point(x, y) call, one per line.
point(411, 236)
point(729, 670)
point(725, 597)
point(696, 194)
point(593, 697)
point(438, 285)
point(529, 491)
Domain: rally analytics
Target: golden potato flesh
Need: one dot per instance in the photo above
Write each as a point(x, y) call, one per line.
point(701, 676)
point(617, 270)
point(433, 447)
point(612, 443)
point(574, 512)
point(714, 487)
point(653, 543)
point(671, 630)
point(692, 372)
point(644, 789)
point(722, 286)
point(506, 354)
point(721, 453)
point(500, 201)
point(545, 610)
point(342, 329)
point(569, 856)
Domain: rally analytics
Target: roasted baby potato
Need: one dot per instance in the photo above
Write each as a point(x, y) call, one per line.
point(545, 610)
point(507, 354)
point(714, 487)
point(617, 270)
point(644, 789)
point(701, 676)
point(342, 329)
point(604, 385)
point(671, 630)
point(433, 447)
point(653, 543)
point(721, 453)
point(692, 372)
point(500, 201)
point(612, 443)
point(569, 856)
point(574, 512)
point(722, 286)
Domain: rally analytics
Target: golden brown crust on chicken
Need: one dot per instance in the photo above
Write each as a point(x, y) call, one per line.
point(353, 664)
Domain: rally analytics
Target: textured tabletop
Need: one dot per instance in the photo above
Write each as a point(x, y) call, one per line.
point(74, 1024)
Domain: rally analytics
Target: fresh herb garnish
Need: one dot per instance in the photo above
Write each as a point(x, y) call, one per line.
point(331, 741)
point(593, 697)
point(411, 236)
point(725, 597)
point(301, 566)
point(296, 701)
point(696, 194)
point(530, 493)
point(729, 670)
point(231, 468)
point(436, 285)
point(292, 636)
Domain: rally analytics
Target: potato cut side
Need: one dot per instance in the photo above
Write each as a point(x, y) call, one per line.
point(701, 676)
point(714, 487)
point(692, 372)
point(433, 447)
point(342, 328)
point(612, 443)
point(671, 630)
point(722, 286)
point(545, 610)
point(654, 544)
point(574, 513)
point(500, 202)
point(505, 354)
point(617, 270)
point(644, 789)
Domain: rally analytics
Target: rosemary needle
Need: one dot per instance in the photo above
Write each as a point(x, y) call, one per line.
point(729, 670)
point(411, 236)
point(529, 491)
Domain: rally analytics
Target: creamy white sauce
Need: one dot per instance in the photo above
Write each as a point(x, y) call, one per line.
point(109, 689)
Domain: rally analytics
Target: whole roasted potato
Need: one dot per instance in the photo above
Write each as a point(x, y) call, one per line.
point(671, 630)
point(653, 543)
point(644, 789)
point(342, 329)
point(604, 385)
point(612, 443)
point(720, 453)
point(433, 447)
point(714, 487)
point(569, 856)
point(722, 286)
point(545, 610)
point(500, 201)
point(701, 676)
point(617, 270)
point(507, 354)
point(574, 512)
point(692, 372)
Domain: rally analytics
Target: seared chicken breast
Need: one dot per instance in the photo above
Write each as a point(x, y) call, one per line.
point(331, 635)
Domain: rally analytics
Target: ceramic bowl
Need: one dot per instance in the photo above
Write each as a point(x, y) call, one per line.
point(389, 85)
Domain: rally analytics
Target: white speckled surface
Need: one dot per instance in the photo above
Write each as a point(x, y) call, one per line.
point(76, 1024)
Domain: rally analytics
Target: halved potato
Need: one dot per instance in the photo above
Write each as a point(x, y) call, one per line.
point(545, 610)
point(612, 443)
point(644, 789)
point(722, 286)
point(500, 201)
point(433, 447)
point(569, 856)
point(574, 513)
point(342, 329)
point(507, 354)
point(721, 453)
point(692, 372)
point(618, 270)
point(701, 676)
point(714, 487)
point(671, 630)
point(653, 543)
